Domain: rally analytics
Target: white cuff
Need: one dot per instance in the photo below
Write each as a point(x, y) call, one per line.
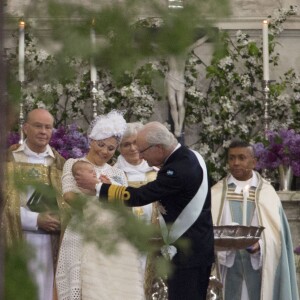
point(98, 188)
point(28, 219)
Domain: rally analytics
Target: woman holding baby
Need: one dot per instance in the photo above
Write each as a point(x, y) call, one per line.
point(85, 269)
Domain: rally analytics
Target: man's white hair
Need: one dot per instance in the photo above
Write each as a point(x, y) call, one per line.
point(158, 134)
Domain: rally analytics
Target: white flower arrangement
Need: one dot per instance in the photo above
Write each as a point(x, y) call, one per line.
point(229, 103)
point(232, 104)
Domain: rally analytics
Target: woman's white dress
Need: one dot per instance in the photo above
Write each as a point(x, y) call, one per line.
point(85, 271)
point(138, 175)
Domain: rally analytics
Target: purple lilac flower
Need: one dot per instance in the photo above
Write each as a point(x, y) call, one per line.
point(258, 149)
point(13, 138)
point(77, 152)
point(297, 250)
point(64, 153)
point(69, 141)
point(282, 147)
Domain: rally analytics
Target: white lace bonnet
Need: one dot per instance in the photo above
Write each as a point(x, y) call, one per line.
point(106, 126)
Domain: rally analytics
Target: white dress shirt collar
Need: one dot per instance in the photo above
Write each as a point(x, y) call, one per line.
point(24, 148)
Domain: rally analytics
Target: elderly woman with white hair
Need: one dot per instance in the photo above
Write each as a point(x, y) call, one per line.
point(86, 271)
point(136, 169)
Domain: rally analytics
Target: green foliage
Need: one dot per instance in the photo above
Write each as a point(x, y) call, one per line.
point(107, 224)
point(18, 284)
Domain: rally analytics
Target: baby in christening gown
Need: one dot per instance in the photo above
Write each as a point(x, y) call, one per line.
point(85, 271)
point(83, 167)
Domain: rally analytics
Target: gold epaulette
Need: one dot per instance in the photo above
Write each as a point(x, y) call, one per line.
point(118, 193)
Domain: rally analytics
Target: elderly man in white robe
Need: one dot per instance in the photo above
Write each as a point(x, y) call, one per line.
point(29, 214)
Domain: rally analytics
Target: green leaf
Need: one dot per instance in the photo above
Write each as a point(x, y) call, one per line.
point(253, 50)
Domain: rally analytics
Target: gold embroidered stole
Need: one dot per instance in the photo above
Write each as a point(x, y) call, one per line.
point(17, 176)
point(150, 176)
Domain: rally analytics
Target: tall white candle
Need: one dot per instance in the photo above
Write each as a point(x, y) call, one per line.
point(265, 32)
point(93, 42)
point(245, 199)
point(21, 50)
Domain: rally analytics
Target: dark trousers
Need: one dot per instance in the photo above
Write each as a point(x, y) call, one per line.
point(189, 284)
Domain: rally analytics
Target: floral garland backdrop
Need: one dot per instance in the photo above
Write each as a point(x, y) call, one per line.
point(231, 104)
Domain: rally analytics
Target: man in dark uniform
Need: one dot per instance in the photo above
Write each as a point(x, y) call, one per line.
point(185, 204)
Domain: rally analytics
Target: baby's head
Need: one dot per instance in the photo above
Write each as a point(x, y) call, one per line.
point(82, 166)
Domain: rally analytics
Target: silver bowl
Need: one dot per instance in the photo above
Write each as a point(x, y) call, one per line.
point(234, 237)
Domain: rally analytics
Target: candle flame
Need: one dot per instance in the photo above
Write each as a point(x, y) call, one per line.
point(93, 22)
point(265, 21)
point(21, 24)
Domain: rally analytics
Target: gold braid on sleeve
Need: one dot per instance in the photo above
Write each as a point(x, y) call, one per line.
point(118, 193)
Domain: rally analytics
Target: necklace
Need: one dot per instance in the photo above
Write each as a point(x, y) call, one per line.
point(96, 166)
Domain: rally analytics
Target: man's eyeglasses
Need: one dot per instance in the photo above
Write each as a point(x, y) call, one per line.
point(140, 152)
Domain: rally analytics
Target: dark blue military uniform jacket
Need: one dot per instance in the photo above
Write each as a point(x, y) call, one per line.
point(177, 182)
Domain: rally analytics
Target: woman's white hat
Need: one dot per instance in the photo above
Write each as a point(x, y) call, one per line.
point(106, 126)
